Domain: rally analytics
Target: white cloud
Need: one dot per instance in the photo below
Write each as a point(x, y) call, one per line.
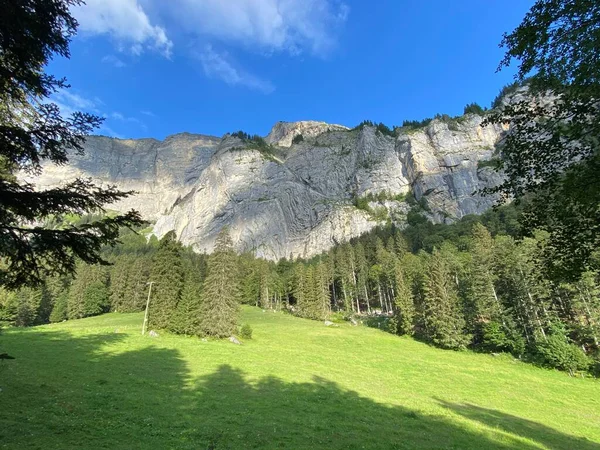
point(292, 26)
point(218, 65)
point(122, 118)
point(126, 22)
point(114, 61)
point(70, 102)
point(148, 113)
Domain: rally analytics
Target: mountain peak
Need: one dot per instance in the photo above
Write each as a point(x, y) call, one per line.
point(283, 133)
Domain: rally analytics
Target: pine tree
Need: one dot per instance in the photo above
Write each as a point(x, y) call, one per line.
point(362, 275)
point(136, 288)
point(484, 304)
point(307, 301)
point(88, 294)
point(322, 292)
point(300, 289)
point(56, 288)
point(444, 320)
point(221, 293)
point(119, 276)
point(25, 307)
point(187, 316)
point(167, 275)
point(96, 299)
point(45, 306)
point(59, 311)
point(405, 309)
point(331, 275)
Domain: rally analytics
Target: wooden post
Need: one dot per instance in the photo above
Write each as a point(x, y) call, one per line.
point(147, 305)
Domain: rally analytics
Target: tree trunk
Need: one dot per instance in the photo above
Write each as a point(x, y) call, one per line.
point(383, 305)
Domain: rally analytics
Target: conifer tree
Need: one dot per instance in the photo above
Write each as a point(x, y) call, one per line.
point(118, 283)
point(45, 306)
point(321, 298)
point(405, 309)
point(136, 288)
point(167, 276)
point(221, 293)
point(187, 316)
point(88, 294)
point(484, 305)
point(33, 132)
point(25, 306)
point(331, 276)
point(55, 288)
point(300, 286)
point(444, 320)
point(306, 301)
point(362, 275)
point(59, 310)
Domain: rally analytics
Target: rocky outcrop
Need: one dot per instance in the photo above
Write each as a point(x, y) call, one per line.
point(292, 199)
point(283, 133)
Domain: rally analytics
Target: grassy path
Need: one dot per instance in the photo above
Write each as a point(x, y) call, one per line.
point(97, 383)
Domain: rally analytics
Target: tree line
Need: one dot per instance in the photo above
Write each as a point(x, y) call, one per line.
point(455, 286)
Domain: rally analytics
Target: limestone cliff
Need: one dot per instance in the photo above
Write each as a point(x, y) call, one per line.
point(294, 196)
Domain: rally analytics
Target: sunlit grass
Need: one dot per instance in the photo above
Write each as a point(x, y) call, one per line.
point(97, 383)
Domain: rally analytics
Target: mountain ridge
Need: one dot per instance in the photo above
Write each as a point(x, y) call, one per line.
point(283, 196)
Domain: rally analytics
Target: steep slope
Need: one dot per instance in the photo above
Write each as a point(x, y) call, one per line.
point(292, 199)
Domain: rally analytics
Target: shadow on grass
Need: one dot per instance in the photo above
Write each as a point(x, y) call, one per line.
point(66, 392)
point(522, 427)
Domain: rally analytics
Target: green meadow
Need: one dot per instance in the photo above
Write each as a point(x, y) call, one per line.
point(97, 383)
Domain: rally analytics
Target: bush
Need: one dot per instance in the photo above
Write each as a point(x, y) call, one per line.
point(497, 338)
point(246, 331)
point(339, 317)
point(558, 353)
point(297, 139)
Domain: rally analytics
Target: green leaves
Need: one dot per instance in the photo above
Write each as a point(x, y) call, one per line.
point(552, 151)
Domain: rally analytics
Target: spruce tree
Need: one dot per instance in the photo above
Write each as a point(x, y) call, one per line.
point(362, 275)
point(59, 311)
point(322, 293)
point(300, 288)
point(136, 288)
point(88, 294)
point(404, 311)
point(25, 307)
point(167, 275)
point(444, 319)
point(119, 276)
point(187, 316)
point(96, 299)
point(221, 293)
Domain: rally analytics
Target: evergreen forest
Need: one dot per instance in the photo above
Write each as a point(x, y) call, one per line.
point(476, 284)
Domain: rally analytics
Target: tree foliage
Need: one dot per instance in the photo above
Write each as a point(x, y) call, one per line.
point(167, 277)
point(221, 294)
point(33, 133)
point(552, 152)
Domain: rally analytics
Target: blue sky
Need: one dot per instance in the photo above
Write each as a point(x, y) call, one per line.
point(159, 67)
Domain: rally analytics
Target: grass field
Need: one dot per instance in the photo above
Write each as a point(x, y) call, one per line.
point(97, 383)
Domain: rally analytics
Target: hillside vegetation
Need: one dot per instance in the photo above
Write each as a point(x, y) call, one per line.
point(97, 383)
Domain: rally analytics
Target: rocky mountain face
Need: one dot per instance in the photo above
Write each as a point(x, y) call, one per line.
point(290, 195)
